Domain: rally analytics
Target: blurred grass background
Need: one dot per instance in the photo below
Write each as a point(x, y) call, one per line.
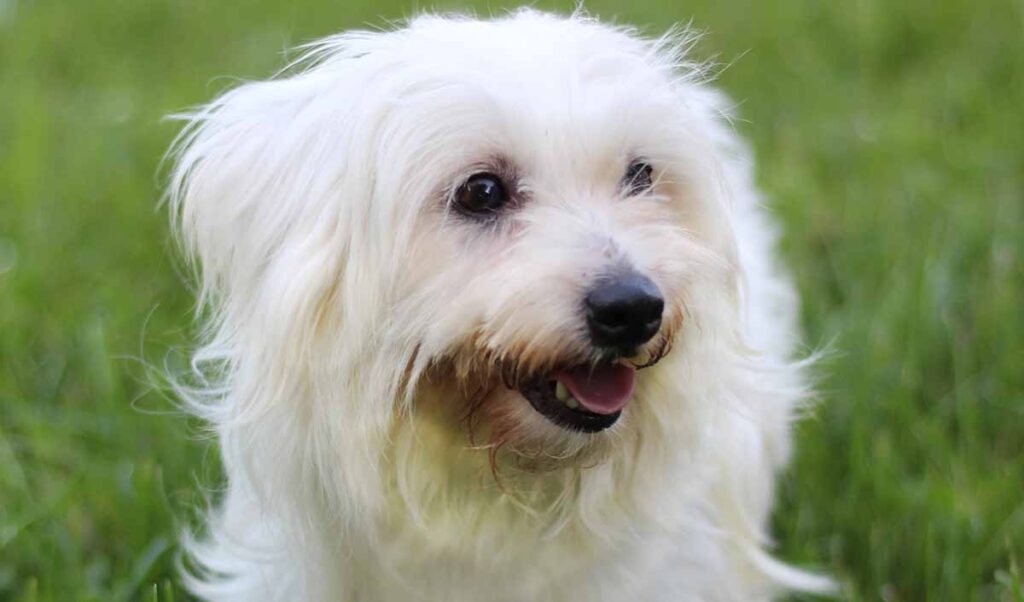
point(890, 136)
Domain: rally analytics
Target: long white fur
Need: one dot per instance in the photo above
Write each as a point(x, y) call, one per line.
point(336, 286)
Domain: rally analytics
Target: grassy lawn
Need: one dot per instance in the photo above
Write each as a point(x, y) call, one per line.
point(890, 135)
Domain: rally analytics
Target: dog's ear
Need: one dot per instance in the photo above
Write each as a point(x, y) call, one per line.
point(270, 196)
point(271, 179)
point(234, 186)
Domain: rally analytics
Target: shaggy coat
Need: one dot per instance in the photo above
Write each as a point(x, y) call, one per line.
point(365, 343)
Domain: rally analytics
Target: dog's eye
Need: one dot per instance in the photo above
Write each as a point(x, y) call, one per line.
point(482, 195)
point(638, 178)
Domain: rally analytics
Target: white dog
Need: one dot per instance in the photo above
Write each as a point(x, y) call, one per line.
point(491, 314)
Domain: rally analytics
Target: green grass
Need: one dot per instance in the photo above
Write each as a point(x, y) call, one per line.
point(889, 134)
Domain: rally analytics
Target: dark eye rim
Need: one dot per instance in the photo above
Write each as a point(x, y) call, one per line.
point(459, 196)
point(639, 177)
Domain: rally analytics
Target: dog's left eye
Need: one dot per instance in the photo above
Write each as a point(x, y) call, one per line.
point(638, 178)
point(482, 195)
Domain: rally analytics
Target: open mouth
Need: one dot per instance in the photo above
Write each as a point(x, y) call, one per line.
point(585, 398)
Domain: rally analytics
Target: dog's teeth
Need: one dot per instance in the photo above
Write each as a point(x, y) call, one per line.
point(563, 395)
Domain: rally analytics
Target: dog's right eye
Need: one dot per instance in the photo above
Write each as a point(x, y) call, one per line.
point(638, 178)
point(482, 195)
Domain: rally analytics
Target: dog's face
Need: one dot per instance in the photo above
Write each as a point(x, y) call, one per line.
point(562, 235)
point(510, 224)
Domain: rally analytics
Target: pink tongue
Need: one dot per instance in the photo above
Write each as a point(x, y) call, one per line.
point(602, 390)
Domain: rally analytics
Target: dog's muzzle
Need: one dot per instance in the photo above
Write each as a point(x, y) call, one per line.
point(622, 313)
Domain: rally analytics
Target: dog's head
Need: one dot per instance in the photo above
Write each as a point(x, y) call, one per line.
point(509, 226)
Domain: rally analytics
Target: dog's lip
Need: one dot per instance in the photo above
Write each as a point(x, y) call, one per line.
point(540, 392)
point(541, 395)
point(602, 389)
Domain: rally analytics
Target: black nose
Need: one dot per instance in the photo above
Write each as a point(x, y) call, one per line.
point(624, 312)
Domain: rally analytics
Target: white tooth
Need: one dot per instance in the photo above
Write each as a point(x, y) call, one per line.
point(561, 392)
point(572, 403)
